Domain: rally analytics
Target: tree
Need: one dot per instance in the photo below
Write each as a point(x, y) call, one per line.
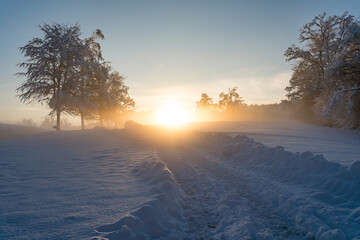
point(318, 37)
point(111, 97)
point(205, 102)
point(120, 101)
point(231, 100)
point(322, 41)
point(51, 67)
point(91, 69)
point(343, 74)
point(50, 122)
point(28, 122)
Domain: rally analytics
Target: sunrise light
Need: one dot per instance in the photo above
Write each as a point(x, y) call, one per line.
point(172, 114)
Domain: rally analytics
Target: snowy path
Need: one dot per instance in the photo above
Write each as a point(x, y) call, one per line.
point(215, 200)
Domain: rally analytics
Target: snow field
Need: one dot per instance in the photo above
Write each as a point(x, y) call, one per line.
point(62, 185)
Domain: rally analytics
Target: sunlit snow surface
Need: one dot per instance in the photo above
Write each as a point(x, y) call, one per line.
point(139, 183)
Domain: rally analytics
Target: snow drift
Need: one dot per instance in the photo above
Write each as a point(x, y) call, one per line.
point(161, 217)
point(326, 202)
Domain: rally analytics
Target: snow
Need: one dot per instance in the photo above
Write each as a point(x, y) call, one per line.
point(159, 217)
point(147, 183)
point(8, 131)
point(339, 145)
point(64, 184)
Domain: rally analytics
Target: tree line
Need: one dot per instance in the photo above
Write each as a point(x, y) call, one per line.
point(228, 101)
point(325, 83)
point(70, 75)
point(232, 107)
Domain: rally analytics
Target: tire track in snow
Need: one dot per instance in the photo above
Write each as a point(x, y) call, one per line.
point(219, 204)
point(197, 201)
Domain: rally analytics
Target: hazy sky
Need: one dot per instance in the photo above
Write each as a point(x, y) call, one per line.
point(170, 50)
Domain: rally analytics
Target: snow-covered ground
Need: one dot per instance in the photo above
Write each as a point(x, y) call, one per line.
point(8, 131)
point(146, 183)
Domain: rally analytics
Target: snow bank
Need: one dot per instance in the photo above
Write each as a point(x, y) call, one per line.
point(337, 145)
point(327, 199)
point(161, 217)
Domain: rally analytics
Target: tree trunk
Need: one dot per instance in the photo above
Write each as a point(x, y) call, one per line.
point(101, 122)
point(58, 119)
point(82, 121)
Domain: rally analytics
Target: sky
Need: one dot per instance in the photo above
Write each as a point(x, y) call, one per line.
point(169, 50)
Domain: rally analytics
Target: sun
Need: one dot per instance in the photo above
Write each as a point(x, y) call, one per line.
point(172, 114)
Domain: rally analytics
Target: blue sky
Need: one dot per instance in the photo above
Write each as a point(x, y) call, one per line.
point(170, 50)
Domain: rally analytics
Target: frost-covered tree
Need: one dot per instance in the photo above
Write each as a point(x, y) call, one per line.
point(111, 97)
point(91, 69)
point(343, 75)
point(318, 38)
point(50, 67)
point(64, 71)
point(121, 102)
point(322, 42)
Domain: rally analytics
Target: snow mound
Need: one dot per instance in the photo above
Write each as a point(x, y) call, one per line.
point(328, 197)
point(355, 168)
point(305, 168)
point(161, 217)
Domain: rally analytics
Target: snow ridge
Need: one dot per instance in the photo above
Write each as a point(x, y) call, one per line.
point(327, 201)
point(161, 217)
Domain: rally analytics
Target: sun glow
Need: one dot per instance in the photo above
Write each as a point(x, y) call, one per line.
point(172, 114)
